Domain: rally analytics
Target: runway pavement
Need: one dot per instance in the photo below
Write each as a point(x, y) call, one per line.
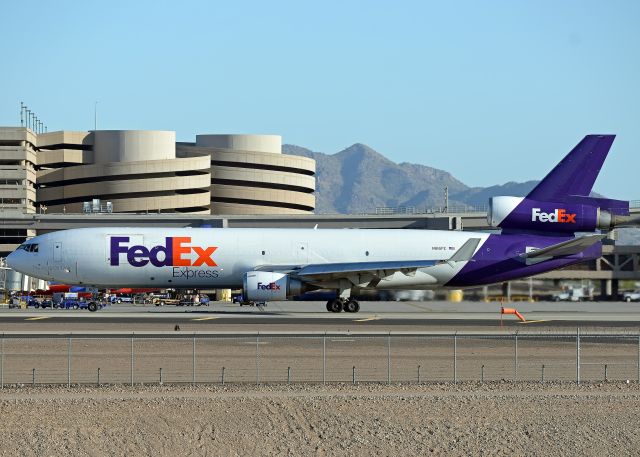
point(312, 316)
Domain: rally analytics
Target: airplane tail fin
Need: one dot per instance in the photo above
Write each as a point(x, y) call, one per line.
point(576, 173)
point(561, 202)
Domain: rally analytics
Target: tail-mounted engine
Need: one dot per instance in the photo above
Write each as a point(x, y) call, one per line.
point(577, 214)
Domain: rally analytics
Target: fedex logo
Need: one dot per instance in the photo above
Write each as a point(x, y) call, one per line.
point(270, 286)
point(175, 252)
point(559, 215)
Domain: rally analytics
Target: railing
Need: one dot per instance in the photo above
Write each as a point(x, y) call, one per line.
point(392, 210)
point(203, 358)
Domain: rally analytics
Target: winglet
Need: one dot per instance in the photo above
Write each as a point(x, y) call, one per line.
point(465, 253)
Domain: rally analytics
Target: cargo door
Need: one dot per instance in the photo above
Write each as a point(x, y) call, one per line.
point(57, 251)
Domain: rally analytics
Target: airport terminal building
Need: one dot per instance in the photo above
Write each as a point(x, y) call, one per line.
point(142, 171)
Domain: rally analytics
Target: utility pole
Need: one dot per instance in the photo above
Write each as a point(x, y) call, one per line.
point(446, 199)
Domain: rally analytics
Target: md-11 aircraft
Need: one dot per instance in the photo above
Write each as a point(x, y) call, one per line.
point(557, 224)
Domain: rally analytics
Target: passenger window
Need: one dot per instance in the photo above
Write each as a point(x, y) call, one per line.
point(34, 248)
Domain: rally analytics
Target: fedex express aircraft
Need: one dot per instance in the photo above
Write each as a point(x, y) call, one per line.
point(555, 225)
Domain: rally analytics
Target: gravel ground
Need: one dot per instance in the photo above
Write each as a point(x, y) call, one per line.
point(477, 419)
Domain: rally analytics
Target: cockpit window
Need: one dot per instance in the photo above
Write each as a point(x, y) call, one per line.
point(29, 247)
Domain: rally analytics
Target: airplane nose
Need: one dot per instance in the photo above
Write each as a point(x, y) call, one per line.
point(14, 261)
point(10, 259)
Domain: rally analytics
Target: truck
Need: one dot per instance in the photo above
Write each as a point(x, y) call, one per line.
point(631, 296)
point(574, 294)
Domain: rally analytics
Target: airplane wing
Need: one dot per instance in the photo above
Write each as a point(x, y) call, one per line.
point(323, 271)
point(574, 246)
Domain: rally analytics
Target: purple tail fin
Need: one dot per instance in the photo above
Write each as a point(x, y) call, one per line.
point(576, 173)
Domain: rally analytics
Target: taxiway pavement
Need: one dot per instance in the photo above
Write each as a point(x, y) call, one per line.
point(312, 316)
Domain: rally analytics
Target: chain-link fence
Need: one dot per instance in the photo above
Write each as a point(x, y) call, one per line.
point(153, 358)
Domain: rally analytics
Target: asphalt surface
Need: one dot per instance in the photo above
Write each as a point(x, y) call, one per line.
point(313, 316)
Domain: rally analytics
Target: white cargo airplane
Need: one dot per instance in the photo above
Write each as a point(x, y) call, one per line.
point(538, 235)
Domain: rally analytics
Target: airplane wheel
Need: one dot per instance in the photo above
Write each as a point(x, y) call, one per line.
point(335, 306)
point(352, 306)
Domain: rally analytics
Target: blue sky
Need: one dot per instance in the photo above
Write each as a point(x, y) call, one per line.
point(490, 91)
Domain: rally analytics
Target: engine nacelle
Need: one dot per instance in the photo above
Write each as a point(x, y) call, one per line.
point(524, 214)
point(269, 286)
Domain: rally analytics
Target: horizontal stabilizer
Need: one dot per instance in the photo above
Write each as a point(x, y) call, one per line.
point(570, 247)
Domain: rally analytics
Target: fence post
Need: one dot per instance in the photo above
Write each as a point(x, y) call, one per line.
point(324, 358)
point(639, 358)
point(132, 359)
point(258, 359)
point(605, 373)
point(353, 375)
point(69, 362)
point(542, 378)
point(418, 374)
point(578, 355)
point(2, 362)
point(98, 377)
point(482, 374)
point(223, 376)
point(193, 361)
point(389, 358)
point(455, 358)
point(33, 377)
point(515, 358)
point(160, 375)
point(288, 375)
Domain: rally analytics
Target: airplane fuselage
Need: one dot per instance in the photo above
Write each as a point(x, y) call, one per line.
point(201, 258)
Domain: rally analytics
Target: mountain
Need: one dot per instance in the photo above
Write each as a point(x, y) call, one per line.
point(359, 179)
point(479, 196)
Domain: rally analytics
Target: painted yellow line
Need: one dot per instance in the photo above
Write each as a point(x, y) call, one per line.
point(37, 318)
point(532, 322)
point(367, 319)
point(208, 318)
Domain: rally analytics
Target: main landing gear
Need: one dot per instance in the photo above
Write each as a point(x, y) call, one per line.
point(348, 305)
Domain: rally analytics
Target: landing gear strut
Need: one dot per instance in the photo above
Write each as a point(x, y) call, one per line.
point(339, 304)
